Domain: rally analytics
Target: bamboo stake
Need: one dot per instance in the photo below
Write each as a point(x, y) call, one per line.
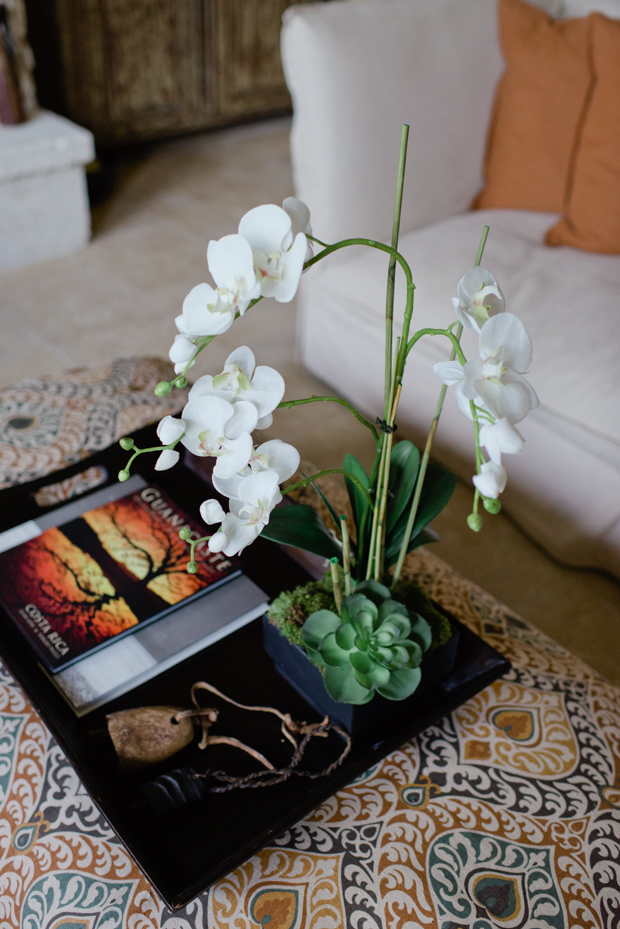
point(346, 555)
point(333, 563)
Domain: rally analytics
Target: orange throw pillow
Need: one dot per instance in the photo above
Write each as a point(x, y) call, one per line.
point(592, 212)
point(539, 105)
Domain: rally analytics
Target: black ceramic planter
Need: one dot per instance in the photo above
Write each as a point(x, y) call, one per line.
point(295, 667)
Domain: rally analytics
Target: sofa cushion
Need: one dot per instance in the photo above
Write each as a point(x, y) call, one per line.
point(592, 211)
point(540, 102)
point(356, 71)
point(564, 488)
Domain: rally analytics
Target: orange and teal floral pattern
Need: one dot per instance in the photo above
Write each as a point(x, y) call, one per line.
point(504, 814)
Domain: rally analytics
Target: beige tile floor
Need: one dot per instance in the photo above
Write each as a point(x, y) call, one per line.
point(119, 297)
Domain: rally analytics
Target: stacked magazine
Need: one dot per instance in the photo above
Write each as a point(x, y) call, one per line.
point(100, 589)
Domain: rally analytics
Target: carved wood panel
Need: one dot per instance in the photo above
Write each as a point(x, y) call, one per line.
point(135, 68)
point(142, 69)
point(249, 68)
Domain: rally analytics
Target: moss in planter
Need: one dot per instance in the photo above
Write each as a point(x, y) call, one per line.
point(291, 608)
point(417, 600)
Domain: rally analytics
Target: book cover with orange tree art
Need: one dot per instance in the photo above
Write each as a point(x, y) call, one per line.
point(72, 588)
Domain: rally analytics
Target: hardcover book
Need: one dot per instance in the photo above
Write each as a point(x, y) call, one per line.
point(76, 586)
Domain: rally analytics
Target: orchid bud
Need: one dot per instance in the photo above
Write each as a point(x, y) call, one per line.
point(218, 542)
point(212, 512)
point(167, 459)
point(474, 521)
point(491, 505)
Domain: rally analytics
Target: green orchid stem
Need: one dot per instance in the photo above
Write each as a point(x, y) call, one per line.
point(474, 413)
point(346, 555)
point(346, 243)
point(455, 339)
point(476, 499)
point(287, 404)
point(318, 241)
point(315, 477)
point(143, 451)
point(202, 344)
point(389, 297)
point(456, 348)
point(193, 543)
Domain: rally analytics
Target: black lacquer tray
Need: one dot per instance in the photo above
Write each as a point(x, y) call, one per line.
point(184, 854)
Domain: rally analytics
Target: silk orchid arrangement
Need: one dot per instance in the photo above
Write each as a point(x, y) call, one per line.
point(393, 504)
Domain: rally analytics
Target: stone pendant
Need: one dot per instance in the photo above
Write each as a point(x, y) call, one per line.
point(148, 735)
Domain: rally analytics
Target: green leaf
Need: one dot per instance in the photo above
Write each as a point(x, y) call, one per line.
point(401, 684)
point(351, 606)
point(359, 504)
point(300, 526)
point(385, 656)
point(342, 687)
point(364, 621)
point(391, 608)
point(415, 652)
point(377, 677)
point(362, 662)
point(438, 487)
point(421, 631)
point(332, 653)
point(345, 635)
point(404, 465)
point(317, 626)
point(374, 591)
point(400, 656)
point(327, 503)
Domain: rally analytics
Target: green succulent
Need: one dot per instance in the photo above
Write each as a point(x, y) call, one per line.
point(374, 646)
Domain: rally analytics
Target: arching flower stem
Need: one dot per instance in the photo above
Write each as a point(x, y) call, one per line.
point(457, 351)
point(288, 404)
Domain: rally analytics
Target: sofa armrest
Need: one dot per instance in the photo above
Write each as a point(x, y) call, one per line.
point(356, 70)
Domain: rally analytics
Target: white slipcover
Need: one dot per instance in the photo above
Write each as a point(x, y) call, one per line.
point(356, 71)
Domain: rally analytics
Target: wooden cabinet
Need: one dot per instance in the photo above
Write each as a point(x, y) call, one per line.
point(133, 70)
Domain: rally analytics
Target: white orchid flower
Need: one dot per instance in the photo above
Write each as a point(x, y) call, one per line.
point(479, 298)
point(167, 459)
point(300, 221)
point(278, 256)
point(497, 380)
point(218, 542)
point(249, 513)
point(501, 438)
point(492, 479)
point(182, 349)
point(215, 427)
point(204, 313)
point(170, 430)
point(274, 455)
point(212, 512)
point(241, 380)
point(232, 265)
point(180, 353)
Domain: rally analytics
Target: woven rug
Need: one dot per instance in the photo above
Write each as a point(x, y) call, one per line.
point(504, 814)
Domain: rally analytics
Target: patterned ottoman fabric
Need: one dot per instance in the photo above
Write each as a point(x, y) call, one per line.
point(47, 423)
point(504, 814)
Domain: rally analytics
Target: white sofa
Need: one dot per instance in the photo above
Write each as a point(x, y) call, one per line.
point(356, 71)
